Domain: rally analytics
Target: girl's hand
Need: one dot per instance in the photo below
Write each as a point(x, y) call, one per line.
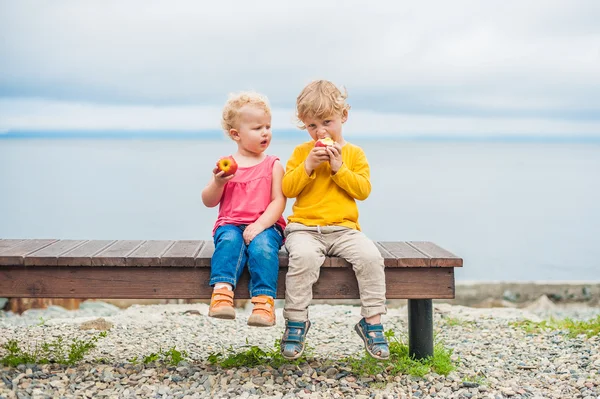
point(315, 157)
point(220, 180)
point(251, 231)
point(335, 157)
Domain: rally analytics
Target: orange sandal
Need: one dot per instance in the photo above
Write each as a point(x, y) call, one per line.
point(221, 304)
point(263, 314)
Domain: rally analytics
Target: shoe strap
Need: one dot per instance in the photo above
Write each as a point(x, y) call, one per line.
point(295, 331)
point(291, 337)
point(374, 327)
point(263, 305)
point(262, 300)
point(377, 340)
point(296, 324)
point(223, 292)
point(222, 295)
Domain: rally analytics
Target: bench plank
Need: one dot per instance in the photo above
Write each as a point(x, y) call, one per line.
point(182, 253)
point(82, 255)
point(405, 255)
point(116, 254)
point(4, 244)
point(205, 254)
point(148, 254)
point(439, 256)
point(389, 260)
point(187, 282)
point(48, 256)
point(15, 254)
point(283, 257)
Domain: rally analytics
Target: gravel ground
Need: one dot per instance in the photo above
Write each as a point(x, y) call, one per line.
point(494, 360)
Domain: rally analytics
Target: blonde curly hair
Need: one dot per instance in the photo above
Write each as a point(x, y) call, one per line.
point(320, 99)
point(236, 102)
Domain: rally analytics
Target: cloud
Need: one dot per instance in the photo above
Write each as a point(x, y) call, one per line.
point(36, 115)
point(535, 62)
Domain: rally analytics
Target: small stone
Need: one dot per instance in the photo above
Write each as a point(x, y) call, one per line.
point(259, 380)
point(331, 372)
point(98, 324)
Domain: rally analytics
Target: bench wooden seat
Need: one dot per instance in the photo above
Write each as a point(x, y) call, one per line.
point(121, 269)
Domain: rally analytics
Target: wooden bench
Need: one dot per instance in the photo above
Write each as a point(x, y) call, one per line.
point(121, 269)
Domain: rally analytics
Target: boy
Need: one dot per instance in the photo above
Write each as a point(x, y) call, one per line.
point(326, 182)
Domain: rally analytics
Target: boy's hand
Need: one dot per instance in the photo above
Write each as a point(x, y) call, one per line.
point(315, 157)
point(220, 180)
point(251, 231)
point(335, 157)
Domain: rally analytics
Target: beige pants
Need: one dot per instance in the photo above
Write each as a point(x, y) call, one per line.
point(308, 247)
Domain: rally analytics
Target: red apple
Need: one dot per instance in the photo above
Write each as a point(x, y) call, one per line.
point(326, 142)
point(227, 165)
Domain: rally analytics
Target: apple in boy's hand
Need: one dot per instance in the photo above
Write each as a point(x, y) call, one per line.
point(227, 165)
point(326, 142)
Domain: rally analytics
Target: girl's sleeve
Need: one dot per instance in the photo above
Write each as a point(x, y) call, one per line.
point(295, 177)
point(356, 179)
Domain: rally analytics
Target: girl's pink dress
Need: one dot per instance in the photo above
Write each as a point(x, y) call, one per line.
point(246, 196)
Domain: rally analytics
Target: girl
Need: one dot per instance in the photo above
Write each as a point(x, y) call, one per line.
point(249, 227)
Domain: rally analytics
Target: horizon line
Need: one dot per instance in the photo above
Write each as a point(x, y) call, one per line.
point(122, 134)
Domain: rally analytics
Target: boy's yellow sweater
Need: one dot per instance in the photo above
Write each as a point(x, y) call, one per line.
point(323, 199)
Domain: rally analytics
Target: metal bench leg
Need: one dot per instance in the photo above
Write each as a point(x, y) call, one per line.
point(420, 328)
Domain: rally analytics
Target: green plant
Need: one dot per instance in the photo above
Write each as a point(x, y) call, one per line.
point(477, 379)
point(253, 356)
point(171, 356)
point(589, 328)
point(56, 351)
point(153, 357)
point(400, 361)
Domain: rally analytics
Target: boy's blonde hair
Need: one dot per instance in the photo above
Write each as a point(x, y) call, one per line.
point(320, 99)
point(236, 101)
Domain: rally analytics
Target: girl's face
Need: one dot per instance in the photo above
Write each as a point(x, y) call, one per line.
point(253, 134)
point(319, 128)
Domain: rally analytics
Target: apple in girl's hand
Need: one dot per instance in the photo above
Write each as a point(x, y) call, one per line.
point(227, 165)
point(326, 142)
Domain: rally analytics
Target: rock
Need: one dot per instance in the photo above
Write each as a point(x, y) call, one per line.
point(543, 303)
point(468, 384)
point(332, 371)
point(192, 312)
point(98, 324)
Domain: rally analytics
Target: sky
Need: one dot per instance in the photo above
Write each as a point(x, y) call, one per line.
point(432, 69)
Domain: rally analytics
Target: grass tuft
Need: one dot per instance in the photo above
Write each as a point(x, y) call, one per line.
point(252, 356)
point(401, 363)
point(56, 351)
point(171, 357)
point(588, 328)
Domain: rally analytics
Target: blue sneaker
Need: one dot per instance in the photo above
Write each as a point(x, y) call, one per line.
point(375, 342)
point(292, 342)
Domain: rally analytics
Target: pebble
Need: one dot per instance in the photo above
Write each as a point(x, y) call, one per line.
point(494, 360)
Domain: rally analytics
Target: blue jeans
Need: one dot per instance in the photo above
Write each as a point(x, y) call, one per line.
point(261, 255)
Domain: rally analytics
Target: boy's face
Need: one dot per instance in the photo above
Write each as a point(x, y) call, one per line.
point(254, 129)
point(331, 126)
